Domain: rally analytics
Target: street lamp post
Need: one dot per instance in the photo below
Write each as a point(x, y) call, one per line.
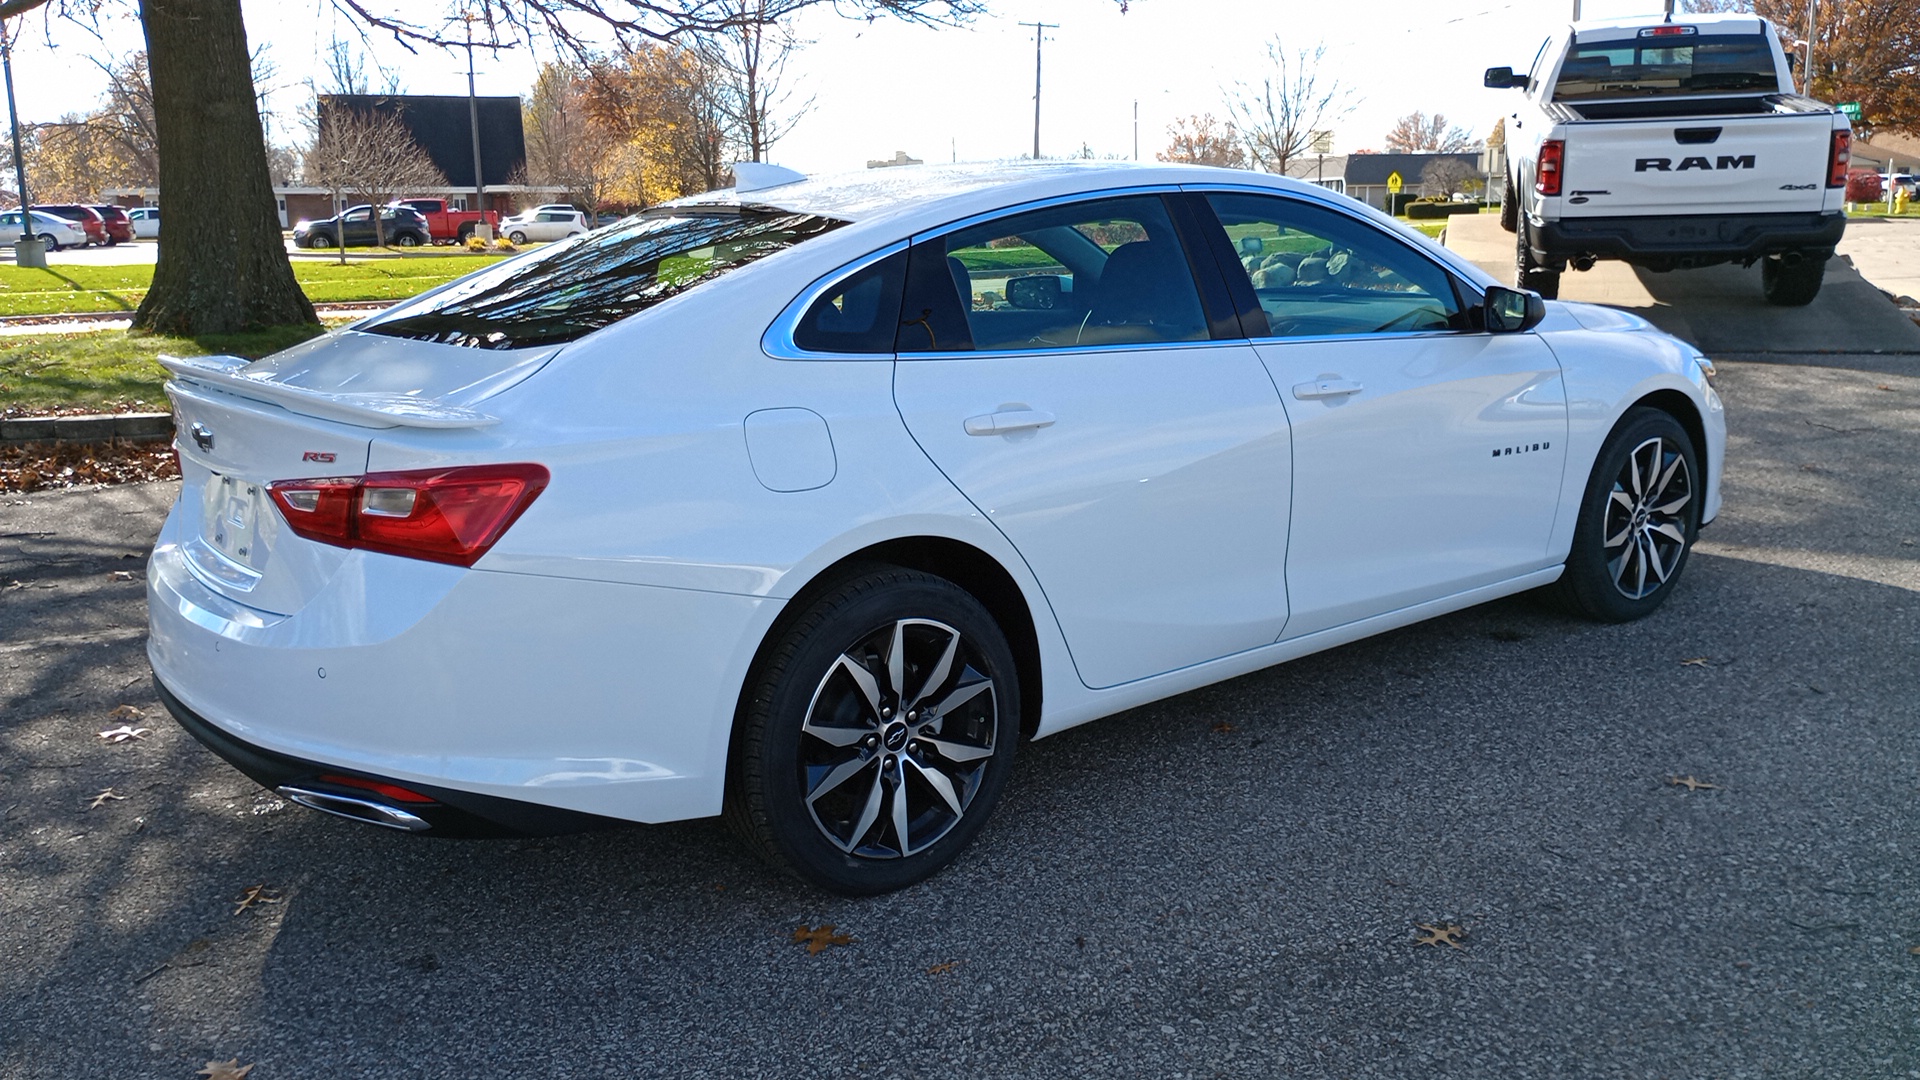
point(28, 250)
point(483, 230)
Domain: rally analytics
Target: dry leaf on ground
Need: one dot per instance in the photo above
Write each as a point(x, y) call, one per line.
point(225, 1070)
point(942, 969)
point(124, 733)
point(101, 799)
point(1691, 784)
point(1224, 728)
point(1698, 661)
point(1444, 934)
point(126, 712)
point(258, 894)
point(818, 938)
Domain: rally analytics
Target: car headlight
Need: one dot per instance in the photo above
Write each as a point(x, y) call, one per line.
point(1706, 368)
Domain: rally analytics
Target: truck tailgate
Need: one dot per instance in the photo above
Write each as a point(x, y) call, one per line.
point(1715, 164)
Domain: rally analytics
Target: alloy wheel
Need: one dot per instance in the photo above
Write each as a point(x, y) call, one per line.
point(1646, 524)
point(897, 739)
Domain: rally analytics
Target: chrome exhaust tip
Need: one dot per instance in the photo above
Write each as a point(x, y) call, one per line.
point(347, 806)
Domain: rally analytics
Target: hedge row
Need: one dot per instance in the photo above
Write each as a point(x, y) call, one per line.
point(1440, 209)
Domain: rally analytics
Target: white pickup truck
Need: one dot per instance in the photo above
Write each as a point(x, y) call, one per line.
point(1672, 145)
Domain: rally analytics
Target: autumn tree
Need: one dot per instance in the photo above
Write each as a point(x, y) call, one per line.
point(371, 156)
point(1442, 177)
point(566, 146)
point(225, 267)
point(1863, 50)
point(1204, 140)
point(1278, 113)
point(746, 76)
point(1418, 133)
point(669, 138)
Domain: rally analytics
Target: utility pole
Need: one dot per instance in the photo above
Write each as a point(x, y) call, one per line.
point(473, 122)
point(1136, 129)
point(1039, 29)
point(1576, 10)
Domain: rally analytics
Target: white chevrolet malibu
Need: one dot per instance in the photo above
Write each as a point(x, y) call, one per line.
point(807, 500)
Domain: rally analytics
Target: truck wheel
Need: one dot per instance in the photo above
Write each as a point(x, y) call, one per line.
point(466, 230)
point(1509, 209)
point(1528, 273)
point(1792, 286)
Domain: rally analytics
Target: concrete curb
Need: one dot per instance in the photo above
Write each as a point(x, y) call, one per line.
point(101, 427)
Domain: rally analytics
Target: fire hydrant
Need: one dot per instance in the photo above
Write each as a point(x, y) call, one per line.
point(1900, 199)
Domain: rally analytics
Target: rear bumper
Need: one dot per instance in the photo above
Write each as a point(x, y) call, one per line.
point(449, 813)
point(1666, 242)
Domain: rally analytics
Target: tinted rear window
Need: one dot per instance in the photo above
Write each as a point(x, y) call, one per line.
point(578, 286)
point(1664, 66)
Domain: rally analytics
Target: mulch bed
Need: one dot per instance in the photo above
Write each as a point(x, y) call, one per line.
point(41, 466)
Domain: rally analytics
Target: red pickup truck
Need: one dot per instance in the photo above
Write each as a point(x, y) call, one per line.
point(447, 225)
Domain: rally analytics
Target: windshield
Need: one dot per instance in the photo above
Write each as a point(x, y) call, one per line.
point(578, 286)
point(1666, 66)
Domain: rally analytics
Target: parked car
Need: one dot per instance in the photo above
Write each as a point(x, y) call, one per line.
point(87, 217)
point(445, 224)
point(1897, 182)
point(118, 226)
point(53, 230)
point(401, 227)
point(544, 223)
point(798, 503)
point(146, 222)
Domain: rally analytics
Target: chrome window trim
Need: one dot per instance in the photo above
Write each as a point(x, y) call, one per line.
point(1474, 293)
point(777, 342)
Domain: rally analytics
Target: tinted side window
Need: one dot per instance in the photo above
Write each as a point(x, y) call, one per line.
point(859, 314)
point(1317, 272)
point(1103, 272)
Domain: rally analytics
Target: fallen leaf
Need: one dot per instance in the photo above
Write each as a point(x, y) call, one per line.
point(1698, 661)
point(258, 894)
point(1915, 950)
point(1883, 386)
point(1691, 784)
point(126, 712)
point(100, 800)
point(1223, 728)
point(1444, 934)
point(124, 733)
point(121, 575)
point(225, 1070)
point(818, 938)
point(942, 969)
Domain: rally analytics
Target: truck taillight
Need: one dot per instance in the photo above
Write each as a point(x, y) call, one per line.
point(441, 515)
point(1838, 158)
point(1546, 176)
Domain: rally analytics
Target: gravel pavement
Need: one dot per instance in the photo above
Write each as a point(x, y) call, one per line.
point(1225, 884)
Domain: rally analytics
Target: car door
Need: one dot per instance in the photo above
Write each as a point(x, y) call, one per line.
point(1119, 431)
point(1428, 454)
point(356, 227)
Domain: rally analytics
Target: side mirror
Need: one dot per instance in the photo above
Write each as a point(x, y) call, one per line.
point(1509, 311)
point(1040, 292)
point(1502, 78)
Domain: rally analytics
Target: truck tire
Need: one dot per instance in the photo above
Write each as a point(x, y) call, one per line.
point(1528, 273)
point(1792, 286)
point(1509, 208)
point(466, 230)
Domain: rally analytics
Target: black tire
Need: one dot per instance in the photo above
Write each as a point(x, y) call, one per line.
point(1648, 450)
point(319, 240)
point(1792, 286)
point(52, 244)
point(833, 749)
point(1528, 273)
point(113, 241)
point(465, 231)
point(516, 237)
point(407, 240)
point(1509, 208)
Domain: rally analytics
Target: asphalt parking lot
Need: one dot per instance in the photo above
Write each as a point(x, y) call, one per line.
point(1229, 883)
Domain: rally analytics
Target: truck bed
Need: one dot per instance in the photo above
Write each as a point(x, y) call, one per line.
point(1667, 108)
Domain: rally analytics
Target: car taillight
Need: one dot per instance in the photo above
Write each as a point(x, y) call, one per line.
point(441, 515)
point(1838, 157)
point(1546, 179)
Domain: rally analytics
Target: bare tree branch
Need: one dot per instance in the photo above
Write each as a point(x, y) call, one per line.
point(1279, 114)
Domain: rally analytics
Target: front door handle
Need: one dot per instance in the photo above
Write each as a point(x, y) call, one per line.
point(1326, 388)
point(1008, 421)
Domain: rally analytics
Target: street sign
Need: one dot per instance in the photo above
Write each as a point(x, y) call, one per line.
point(1394, 183)
point(1322, 142)
point(1851, 110)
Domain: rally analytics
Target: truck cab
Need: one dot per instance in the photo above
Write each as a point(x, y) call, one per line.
point(1671, 145)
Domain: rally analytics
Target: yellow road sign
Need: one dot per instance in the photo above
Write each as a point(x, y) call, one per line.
point(1394, 183)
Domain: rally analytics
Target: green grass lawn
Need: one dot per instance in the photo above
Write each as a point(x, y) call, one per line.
point(68, 288)
point(110, 370)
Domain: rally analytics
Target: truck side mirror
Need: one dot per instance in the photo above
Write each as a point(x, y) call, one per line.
point(1510, 311)
point(1503, 78)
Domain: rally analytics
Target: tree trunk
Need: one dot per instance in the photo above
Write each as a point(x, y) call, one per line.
point(223, 265)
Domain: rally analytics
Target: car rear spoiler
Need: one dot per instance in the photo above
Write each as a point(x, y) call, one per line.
point(362, 410)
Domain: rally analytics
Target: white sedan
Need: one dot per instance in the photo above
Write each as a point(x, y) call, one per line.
point(806, 501)
point(54, 231)
point(544, 223)
point(146, 222)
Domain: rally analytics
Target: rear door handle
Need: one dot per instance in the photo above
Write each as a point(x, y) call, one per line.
point(1326, 388)
point(1008, 421)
